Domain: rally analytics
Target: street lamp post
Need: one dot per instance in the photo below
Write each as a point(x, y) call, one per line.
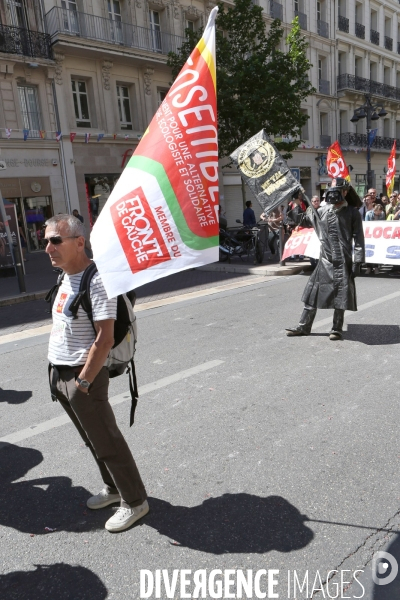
point(369, 111)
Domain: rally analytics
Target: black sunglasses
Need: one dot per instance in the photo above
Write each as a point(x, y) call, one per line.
point(56, 240)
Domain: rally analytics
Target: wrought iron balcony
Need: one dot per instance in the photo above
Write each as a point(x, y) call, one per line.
point(325, 141)
point(375, 37)
point(14, 40)
point(360, 31)
point(323, 29)
point(324, 86)
point(360, 140)
point(343, 24)
point(302, 19)
point(388, 43)
point(276, 10)
point(367, 86)
point(78, 24)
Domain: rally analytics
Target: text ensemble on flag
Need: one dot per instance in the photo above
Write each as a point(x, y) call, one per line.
point(162, 216)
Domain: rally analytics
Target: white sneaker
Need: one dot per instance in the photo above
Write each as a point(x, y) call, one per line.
point(102, 499)
point(125, 517)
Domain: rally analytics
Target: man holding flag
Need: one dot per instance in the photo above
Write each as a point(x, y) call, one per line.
point(161, 218)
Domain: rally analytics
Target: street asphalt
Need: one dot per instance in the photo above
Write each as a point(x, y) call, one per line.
point(258, 452)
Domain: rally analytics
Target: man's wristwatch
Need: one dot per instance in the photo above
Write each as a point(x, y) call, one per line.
point(83, 383)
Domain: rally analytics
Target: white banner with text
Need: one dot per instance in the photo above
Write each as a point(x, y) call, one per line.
point(382, 243)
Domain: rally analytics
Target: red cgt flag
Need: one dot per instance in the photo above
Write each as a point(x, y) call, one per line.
point(335, 162)
point(391, 171)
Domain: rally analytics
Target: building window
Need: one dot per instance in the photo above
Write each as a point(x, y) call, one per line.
point(358, 66)
point(114, 13)
point(398, 130)
point(342, 63)
point(124, 107)
point(69, 16)
point(343, 121)
point(30, 109)
point(386, 128)
point(69, 4)
point(17, 12)
point(161, 95)
point(373, 71)
point(321, 16)
point(304, 129)
point(155, 28)
point(81, 104)
point(190, 25)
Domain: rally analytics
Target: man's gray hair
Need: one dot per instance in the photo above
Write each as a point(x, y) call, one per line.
point(75, 227)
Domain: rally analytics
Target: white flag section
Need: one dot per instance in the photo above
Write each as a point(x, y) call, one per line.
point(162, 216)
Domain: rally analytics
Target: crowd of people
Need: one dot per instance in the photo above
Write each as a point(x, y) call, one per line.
point(380, 208)
point(375, 208)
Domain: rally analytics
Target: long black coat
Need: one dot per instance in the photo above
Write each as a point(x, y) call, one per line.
point(331, 285)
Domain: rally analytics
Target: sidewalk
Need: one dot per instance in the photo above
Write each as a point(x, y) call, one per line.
point(40, 277)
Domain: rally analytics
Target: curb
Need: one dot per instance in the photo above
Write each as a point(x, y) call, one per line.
point(22, 298)
point(266, 271)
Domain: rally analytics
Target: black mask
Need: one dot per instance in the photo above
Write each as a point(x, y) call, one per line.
point(334, 195)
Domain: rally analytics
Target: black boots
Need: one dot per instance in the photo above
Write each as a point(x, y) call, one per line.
point(337, 326)
point(306, 321)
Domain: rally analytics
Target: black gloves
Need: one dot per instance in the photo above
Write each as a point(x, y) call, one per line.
point(356, 270)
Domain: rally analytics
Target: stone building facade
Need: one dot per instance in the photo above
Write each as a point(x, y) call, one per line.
point(95, 72)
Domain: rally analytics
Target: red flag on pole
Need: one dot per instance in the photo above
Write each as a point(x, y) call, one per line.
point(335, 162)
point(391, 171)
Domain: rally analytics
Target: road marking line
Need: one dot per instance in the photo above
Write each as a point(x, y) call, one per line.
point(365, 306)
point(200, 293)
point(23, 335)
point(35, 331)
point(23, 434)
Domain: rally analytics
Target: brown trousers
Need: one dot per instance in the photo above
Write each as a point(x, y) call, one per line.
point(94, 419)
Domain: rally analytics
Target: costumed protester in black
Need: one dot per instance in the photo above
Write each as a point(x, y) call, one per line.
point(331, 285)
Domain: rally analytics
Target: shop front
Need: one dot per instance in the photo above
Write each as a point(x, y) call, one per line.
point(33, 202)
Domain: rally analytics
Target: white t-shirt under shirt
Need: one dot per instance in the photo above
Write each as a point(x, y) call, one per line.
point(71, 339)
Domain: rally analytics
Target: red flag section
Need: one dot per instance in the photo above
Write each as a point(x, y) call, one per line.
point(335, 162)
point(391, 170)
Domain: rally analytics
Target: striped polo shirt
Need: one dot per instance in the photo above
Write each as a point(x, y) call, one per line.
point(71, 339)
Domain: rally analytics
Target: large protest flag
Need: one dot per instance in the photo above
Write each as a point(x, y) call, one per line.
point(391, 170)
point(162, 216)
point(265, 171)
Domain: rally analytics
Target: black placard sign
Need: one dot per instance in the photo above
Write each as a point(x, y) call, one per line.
point(265, 171)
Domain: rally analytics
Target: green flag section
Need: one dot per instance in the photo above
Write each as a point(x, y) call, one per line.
point(162, 216)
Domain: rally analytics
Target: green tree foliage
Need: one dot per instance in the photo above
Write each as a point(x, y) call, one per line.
point(258, 85)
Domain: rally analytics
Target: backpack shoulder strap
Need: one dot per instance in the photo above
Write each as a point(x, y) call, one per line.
point(133, 388)
point(83, 296)
point(51, 294)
